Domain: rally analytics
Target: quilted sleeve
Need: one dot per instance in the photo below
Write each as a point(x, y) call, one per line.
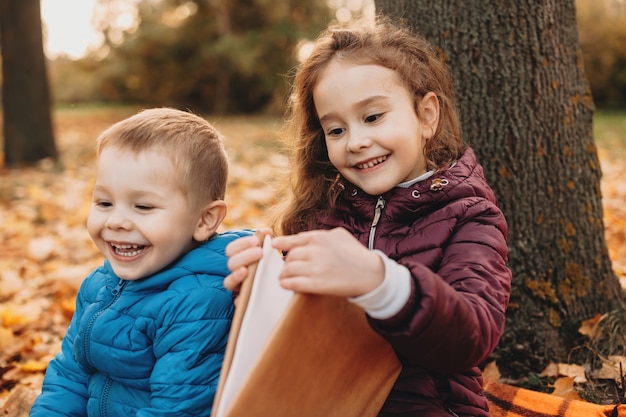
point(455, 314)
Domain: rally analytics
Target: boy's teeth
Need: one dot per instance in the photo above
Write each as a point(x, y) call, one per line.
point(128, 250)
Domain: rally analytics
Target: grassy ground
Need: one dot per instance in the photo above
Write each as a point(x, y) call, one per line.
point(609, 130)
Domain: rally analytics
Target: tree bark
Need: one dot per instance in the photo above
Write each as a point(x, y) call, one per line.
point(527, 109)
point(28, 134)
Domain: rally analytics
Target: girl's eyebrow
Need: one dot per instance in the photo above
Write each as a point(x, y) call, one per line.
point(358, 104)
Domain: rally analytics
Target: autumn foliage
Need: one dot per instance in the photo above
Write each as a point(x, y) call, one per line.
point(46, 250)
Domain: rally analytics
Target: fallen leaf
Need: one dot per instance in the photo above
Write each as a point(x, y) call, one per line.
point(574, 371)
point(491, 373)
point(590, 326)
point(608, 371)
point(552, 370)
point(42, 248)
point(611, 368)
point(6, 338)
point(564, 388)
point(33, 366)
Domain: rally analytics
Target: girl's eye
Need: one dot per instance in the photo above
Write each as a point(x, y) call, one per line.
point(143, 207)
point(102, 203)
point(372, 118)
point(335, 132)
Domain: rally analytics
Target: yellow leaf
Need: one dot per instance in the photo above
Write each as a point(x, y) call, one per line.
point(590, 327)
point(491, 373)
point(6, 338)
point(564, 388)
point(8, 318)
point(34, 366)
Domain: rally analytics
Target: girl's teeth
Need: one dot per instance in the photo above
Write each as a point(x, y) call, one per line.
point(372, 163)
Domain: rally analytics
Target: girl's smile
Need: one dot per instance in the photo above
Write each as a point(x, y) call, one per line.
point(372, 162)
point(371, 126)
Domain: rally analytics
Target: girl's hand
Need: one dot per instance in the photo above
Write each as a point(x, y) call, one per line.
point(330, 262)
point(242, 253)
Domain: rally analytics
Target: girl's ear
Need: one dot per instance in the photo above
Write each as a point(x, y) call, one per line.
point(429, 112)
point(210, 219)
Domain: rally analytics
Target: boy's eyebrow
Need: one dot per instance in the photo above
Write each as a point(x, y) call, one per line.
point(358, 104)
point(140, 193)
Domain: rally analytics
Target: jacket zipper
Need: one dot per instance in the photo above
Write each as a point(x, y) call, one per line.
point(105, 397)
point(378, 210)
point(116, 292)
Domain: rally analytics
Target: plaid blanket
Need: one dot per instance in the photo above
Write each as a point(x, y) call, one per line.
point(510, 401)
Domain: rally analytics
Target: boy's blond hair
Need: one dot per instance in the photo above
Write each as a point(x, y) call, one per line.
point(195, 147)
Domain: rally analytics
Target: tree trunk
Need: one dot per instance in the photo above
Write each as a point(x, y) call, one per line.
point(526, 108)
point(28, 135)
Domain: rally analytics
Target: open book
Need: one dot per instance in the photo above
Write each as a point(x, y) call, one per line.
point(300, 355)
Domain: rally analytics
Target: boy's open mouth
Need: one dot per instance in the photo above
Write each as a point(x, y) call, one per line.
point(127, 250)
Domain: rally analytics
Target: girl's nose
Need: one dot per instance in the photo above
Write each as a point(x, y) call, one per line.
point(357, 140)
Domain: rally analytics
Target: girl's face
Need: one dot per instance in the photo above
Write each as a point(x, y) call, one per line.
point(140, 218)
point(373, 135)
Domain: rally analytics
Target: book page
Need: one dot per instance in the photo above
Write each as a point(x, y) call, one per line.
point(268, 300)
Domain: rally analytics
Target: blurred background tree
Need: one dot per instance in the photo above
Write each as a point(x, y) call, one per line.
point(602, 32)
point(26, 102)
point(233, 57)
point(213, 56)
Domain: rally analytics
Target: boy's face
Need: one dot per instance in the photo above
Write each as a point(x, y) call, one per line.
point(140, 218)
point(373, 135)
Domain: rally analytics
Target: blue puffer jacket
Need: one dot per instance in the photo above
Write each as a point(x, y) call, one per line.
point(151, 347)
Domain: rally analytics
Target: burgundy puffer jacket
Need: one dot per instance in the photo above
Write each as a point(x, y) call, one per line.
point(448, 231)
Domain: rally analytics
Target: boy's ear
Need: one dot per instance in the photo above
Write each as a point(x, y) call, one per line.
point(210, 219)
point(429, 111)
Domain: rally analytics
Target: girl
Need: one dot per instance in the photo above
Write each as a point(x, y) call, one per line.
point(389, 208)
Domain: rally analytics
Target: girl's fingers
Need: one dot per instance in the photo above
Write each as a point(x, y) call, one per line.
point(241, 244)
point(244, 258)
point(234, 280)
point(242, 253)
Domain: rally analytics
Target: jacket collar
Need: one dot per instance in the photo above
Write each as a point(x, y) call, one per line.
point(464, 179)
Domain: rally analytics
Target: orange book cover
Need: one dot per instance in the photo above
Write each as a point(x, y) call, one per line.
point(292, 354)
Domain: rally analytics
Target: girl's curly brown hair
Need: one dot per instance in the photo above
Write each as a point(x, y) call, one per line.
point(314, 183)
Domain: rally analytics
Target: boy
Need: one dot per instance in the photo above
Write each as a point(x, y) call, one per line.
point(151, 324)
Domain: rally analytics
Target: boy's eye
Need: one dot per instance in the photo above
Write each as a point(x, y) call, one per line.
point(102, 203)
point(144, 207)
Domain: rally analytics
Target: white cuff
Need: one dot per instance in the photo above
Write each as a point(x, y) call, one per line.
point(391, 295)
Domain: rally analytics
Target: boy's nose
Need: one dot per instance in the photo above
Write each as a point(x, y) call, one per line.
point(118, 220)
